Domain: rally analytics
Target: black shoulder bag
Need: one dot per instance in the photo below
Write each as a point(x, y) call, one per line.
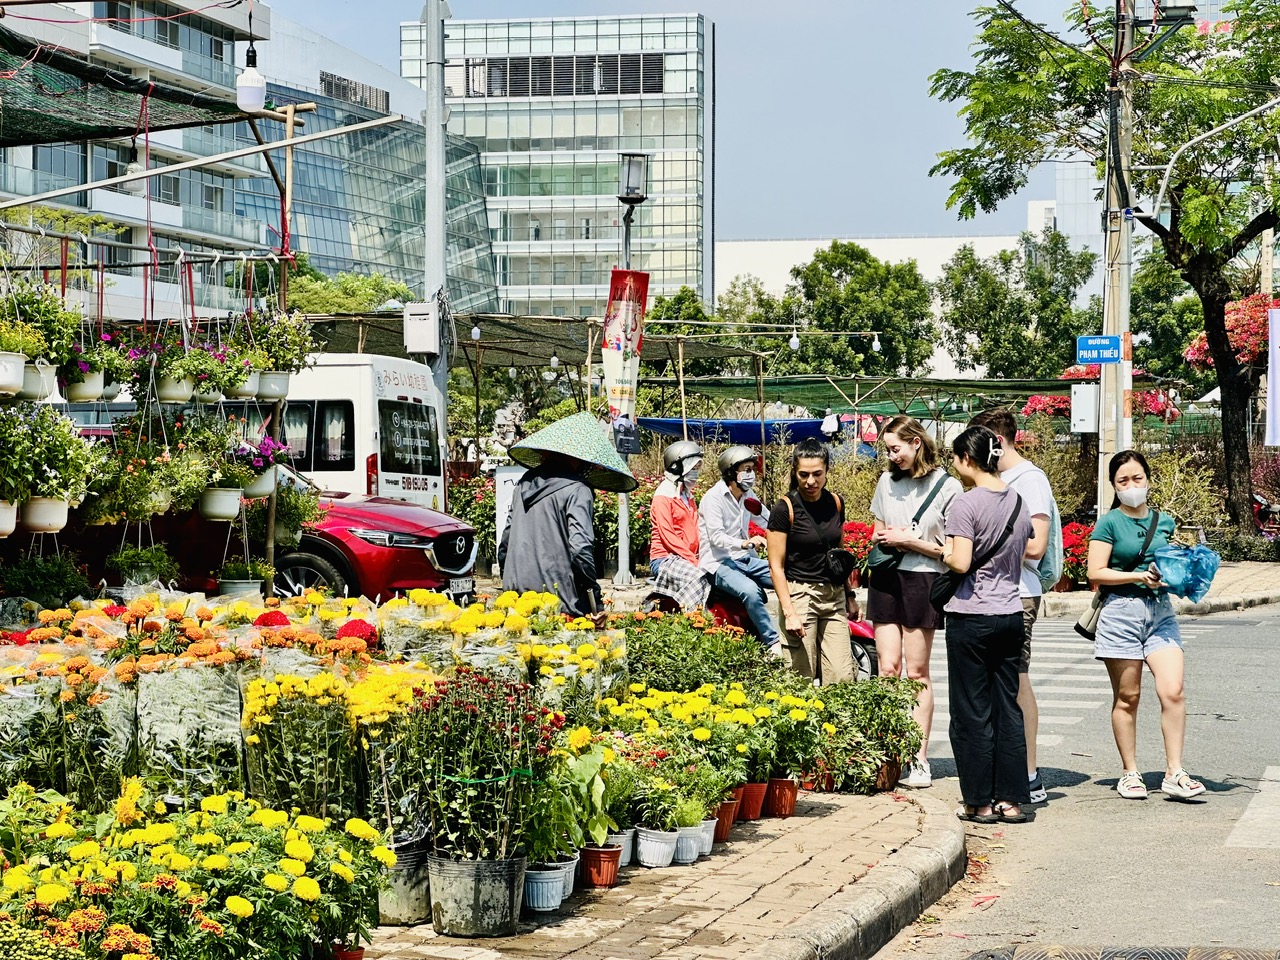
point(948, 582)
point(840, 563)
point(887, 558)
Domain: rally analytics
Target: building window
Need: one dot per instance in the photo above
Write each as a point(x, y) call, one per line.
point(349, 91)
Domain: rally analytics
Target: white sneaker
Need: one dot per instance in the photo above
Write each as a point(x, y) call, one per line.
point(918, 776)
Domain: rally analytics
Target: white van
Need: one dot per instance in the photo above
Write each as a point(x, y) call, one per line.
point(369, 424)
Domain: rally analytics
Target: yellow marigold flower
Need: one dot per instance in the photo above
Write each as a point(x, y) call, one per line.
point(304, 888)
point(309, 824)
point(345, 857)
point(83, 851)
point(741, 748)
point(797, 715)
point(384, 856)
point(59, 830)
point(636, 688)
point(558, 681)
point(294, 867)
point(214, 804)
point(762, 713)
point(271, 819)
point(274, 881)
point(735, 698)
point(18, 880)
point(179, 862)
point(49, 894)
point(300, 850)
point(817, 704)
point(829, 728)
point(343, 871)
point(702, 734)
point(239, 907)
point(771, 695)
point(207, 840)
point(216, 861)
point(579, 739)
point(123, 869)
point(362, 830)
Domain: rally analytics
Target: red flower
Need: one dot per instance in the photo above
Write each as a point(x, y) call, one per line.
point(359, 628)
point(115, 610)
point(272, 618)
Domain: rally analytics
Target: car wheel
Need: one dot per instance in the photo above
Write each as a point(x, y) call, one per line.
point(297, 573)
point(865, 659)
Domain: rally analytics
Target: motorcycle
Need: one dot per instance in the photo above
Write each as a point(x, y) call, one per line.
point(1266, 516)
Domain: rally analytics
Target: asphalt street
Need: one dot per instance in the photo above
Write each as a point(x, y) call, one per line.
point(1093, 868)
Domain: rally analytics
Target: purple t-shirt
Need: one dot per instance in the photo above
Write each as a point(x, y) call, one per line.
point(980, 515)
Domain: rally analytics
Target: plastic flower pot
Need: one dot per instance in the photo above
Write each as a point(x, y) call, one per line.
point(782, 796)
point(12, 373)
point(8, 517)
point(110, 391)
point(888, 775)
point(688, 845)
point(752, 805)
point(273, 384)
point(655, 848)
point(245, 391)
point(708, 836)
point(626, 839)
point(544, 887)
point(88, 390)
point(600, 865)
point(477, 898)
point(725, 815)
point(348, 953)
point(220, 503)
point(406, 900)
point(239, 588)
point(174, 391)
point(570, 868)
point(210, 397)
point(44, 514)
point(38, 381)
point(262, 485)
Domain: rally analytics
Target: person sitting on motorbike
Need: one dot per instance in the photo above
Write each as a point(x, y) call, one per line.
point(673, 545)
point(729, 554)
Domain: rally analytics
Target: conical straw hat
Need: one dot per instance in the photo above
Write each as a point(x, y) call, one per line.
point(582, 437)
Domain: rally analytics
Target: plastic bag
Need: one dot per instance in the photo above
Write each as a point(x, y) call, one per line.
point(1188, 571)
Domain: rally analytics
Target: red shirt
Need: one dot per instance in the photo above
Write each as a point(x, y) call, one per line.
point(675, 524)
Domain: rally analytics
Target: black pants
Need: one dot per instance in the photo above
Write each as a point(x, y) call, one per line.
point(986, 722)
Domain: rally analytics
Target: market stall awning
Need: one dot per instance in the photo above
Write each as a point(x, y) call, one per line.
point(736, 431)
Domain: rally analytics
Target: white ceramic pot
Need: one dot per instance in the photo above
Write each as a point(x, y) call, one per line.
point(239, 588)
point(626, 839)
point(247, 390)
point(708, 836)
point(8, 517)
point(273, 384)
point(11, 373)
point(89, 389)
point(175, 391)
point(220, 503)
point(38, 382)
point(688, 845)
point(110, 391)
point(262, 486)
point(208, 396)
point(44, 514)
point(655, 848)
point(160, 501)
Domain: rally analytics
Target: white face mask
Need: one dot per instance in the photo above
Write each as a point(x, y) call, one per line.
point(690, 477)
point(747, 479)
point(1133, 496)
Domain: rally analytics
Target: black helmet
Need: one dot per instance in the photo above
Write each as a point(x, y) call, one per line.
point(674, 457)
point(728, 461)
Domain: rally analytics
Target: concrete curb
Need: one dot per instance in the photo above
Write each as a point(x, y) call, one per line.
point(853, 925)
point(1037, 952)
point(1073, 604)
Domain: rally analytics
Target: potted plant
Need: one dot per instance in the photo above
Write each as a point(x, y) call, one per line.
point(18, 466)
point(620, 779)
point(144, 564)
point(249, 360)
point(166, 369)
point(868, 732)
point(83, 378)
point(687, 817)
point(262, 458)
point(18, 341)
point(238, 576)
point(286, 341)
point(657, 831)
point(63, 463)
point(296, 510)
point(40, 305)
point(227, 479)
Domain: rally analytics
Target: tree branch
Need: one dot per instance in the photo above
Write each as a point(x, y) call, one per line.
point(1266, 220)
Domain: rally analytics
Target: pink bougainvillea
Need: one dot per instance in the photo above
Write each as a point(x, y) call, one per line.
point(1152, 403)
point(1246, 332)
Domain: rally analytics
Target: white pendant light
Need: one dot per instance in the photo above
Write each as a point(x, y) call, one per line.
point(794, 342)
point(475, 332)
point(555, 361)
point(511, 372)
point(251, 86)
point(875, 344)
point(135, 187)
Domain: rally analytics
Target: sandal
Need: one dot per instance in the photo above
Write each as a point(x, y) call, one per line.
point(1010, 813)
point(1131, 787)
point(970, 815)
point(1181, 785)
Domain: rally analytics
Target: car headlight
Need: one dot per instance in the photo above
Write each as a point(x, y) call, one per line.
point(390, 538)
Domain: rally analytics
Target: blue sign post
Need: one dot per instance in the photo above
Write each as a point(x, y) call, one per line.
point(1098, 350)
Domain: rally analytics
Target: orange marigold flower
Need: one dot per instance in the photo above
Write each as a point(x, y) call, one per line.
point(273, 602)
point(66, 696)
point(106, 643)
point(74, 680)
point(204, 614)
point(152, 626)
point(173, 616)
point(97, 700)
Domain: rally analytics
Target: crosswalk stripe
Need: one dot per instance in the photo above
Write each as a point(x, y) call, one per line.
point(941, 720)
point(1260, 824)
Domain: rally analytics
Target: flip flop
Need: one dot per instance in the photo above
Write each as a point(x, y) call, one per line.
point(966, 814)
point(1002, 814)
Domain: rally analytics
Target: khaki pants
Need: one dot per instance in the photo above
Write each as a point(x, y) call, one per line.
point(823, 652)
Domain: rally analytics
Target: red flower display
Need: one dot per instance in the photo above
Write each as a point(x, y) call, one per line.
point(1075, 550)
point(362, 629)
point(272, 618)
point(1151, 403)
point(857, 540)
point(1247, 332)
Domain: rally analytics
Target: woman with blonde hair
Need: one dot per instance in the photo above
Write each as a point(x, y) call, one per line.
point(910, 506)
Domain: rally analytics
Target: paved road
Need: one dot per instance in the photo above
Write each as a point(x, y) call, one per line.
point(1096, 869)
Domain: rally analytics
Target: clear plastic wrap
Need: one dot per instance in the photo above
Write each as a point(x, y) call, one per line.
point(31, 745)
point(99, 735)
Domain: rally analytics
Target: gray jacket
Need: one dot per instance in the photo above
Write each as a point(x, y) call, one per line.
point(549, 541)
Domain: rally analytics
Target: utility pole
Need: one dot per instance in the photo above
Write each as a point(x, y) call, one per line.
point(434, 14)
point(1115, 410)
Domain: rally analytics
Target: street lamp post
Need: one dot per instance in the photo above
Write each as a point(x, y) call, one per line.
point(633, 173)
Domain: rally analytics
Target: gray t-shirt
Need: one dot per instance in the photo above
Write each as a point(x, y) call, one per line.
point(980, 516)
point(1033, 486)
point(895, 503)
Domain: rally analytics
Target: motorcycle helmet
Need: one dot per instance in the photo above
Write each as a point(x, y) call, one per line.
point(677, 456)
point(730, 459)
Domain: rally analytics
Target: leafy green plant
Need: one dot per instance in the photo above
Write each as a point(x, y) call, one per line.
point(285, 339)
point(656, 800)
point(681, 652)
point(17, 336)
point(1238, 545)
point(621, 779)
point(296, 510)
point(868, 723)
point(238, 568)
point(1183, 485)
point(40, 305)
point(144, 564)
point(50, 581)
point(18, 468)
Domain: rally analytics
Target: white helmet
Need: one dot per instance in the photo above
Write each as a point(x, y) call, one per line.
point(675, 457)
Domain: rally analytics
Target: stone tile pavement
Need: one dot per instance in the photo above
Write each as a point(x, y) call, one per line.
point(770, 874)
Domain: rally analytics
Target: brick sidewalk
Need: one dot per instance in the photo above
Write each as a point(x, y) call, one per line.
point(770, 874)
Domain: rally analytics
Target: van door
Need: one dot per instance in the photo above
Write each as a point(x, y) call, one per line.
point(409, 463)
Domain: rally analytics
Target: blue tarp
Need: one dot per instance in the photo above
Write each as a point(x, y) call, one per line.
point(736, 431)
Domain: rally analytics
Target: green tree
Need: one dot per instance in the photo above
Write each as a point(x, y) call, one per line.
point(1031, 97)
point(314, 293)
point(1014, 314)
point(681, 313)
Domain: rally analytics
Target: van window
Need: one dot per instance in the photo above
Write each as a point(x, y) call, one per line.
point(334, 444)
point(410, 442)
point(297, 429)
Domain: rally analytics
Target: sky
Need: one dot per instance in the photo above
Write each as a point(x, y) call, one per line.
point(824, 121)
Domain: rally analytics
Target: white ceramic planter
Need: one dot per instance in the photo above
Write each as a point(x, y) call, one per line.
point(175, 391)
point(626, 839)
point(273, 384)
point(247, 390)
point(110, 391)
point(8, 517)
point(262, 486)
point(207, 396)
point(239, 588)
point(708, 836)
point(88, 390)
point(688, 845)
point(11, 373)
point(220, 503)
point(655, 848)
point(44, 514)
point(38, 382)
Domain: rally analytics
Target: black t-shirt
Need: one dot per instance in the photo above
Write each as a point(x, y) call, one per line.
point(818, 527)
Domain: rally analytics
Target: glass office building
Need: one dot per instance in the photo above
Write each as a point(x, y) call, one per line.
point(549, 103)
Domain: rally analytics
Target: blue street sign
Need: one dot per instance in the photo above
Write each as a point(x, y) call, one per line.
point(1098, 349)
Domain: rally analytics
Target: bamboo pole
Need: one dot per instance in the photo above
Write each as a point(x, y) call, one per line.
point(684, 417)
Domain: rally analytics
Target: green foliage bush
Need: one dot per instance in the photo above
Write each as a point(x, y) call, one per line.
point(1237, 545)
point(49, 580)
point(1183, 485)
point(873, 725)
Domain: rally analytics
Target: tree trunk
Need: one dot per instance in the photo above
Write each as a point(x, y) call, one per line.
point(1233, 382)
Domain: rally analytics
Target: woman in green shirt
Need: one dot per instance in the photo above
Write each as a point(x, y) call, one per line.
point(1137, 624)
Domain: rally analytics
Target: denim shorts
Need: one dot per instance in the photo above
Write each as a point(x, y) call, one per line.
point(1133, 628)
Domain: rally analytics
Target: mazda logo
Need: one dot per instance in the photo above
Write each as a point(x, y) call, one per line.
point(461, 545)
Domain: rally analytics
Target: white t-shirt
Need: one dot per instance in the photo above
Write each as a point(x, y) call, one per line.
point(895, 504)
point(1033, 486)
